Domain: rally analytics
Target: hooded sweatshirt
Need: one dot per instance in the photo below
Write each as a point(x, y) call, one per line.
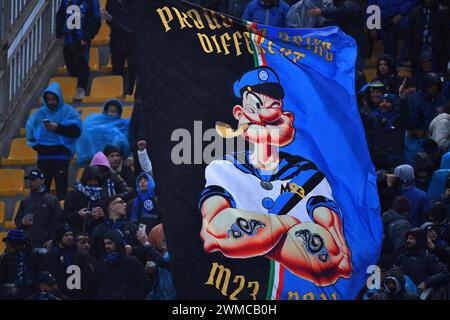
point(106, 130)
point(440, 130)
point(420, 265)
point(112, 184)
point(439, 179)
point(121, 276)
point(417, 198)
point(143, 209)
point(59, 144)
point(400, 293)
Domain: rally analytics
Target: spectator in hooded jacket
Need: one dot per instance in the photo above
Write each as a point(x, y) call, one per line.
point(118, 165)
point(107, 127)
point(394, 287)
point(415, 136)
point(424, 269)
point(77, 40)
point(417, 198)
point(439, 216)
point(428, 30)
point(425, 105)
point(440, 129)
point(53, 131)
point(440, 248)
point(268, 12)
point(39, 213)
point(425, 65)
point(111, 183)
point(83, 207)
point(119, 17)
point(389, 130)
point(423, 171)
point(387, 74)
point(121, 276)
point(395, 227)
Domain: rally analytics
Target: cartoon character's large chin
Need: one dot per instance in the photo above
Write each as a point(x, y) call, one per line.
point(225, 131)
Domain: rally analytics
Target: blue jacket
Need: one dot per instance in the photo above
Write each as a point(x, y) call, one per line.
point(391, 8)
point(439, 179)
point(59, 144)
point(424, 108)
point(106, 130)
point(419, 205)
point(90, 21)
point(275, 16)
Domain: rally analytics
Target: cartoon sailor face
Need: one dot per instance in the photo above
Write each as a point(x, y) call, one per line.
point(261, 112)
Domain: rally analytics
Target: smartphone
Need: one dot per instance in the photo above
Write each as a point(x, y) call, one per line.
point(142, 227)
point(46, 120)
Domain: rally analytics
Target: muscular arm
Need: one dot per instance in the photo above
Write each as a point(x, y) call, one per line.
point(239, 233)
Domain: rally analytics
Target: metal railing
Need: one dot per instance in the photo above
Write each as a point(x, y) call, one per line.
point(26, 52)
point(11, 12)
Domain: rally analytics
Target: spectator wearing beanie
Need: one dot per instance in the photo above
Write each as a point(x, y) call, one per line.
point(117, 164)
point(417, 198)
point(18, 266)
point(111, 183)
point(424, 269)
point(63, 255)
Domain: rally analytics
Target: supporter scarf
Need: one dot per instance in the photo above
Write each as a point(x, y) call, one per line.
point(110, 188)
point(112, 258)
point(143, 206)
point(92, 192)
point(23, 272)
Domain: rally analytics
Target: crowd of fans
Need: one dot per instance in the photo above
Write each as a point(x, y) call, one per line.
point(110, 226)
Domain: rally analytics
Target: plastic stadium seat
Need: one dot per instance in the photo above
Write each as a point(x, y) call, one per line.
point(68, 86)
point(2, 212)
point(129, 98)
point(94, 63)
point(20, 154)
point(85, 111)
point(126, 114)
point(11, 182)
point(370, 74)
point(102, 37)
point(79, 174)
point(2, 244)
point(404, 72)
point(102, 4)
point(104, 88)
point(108, 67)
point(10, 224)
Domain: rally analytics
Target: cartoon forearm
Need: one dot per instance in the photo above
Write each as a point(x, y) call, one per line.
point(239, 233)
point(316, 251)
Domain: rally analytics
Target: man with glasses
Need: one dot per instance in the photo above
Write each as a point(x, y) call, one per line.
point(116, 221)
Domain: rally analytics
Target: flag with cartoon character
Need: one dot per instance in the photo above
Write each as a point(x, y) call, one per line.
point(290, 213)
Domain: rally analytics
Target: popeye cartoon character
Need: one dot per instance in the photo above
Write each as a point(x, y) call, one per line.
point(273, 204)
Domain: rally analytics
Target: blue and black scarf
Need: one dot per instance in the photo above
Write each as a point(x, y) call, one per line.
point(92, 192)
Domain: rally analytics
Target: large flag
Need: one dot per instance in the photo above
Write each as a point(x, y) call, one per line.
point(264, 177)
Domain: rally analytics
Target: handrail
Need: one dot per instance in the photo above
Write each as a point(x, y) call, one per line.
point(26, 52)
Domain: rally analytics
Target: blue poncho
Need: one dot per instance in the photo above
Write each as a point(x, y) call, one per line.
point(100, 130)
point(65, 115)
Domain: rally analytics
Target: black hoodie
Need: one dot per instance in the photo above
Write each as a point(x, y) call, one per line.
point(396, 275)
point(391, 81)
point(124, 279)
point(420, 265)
